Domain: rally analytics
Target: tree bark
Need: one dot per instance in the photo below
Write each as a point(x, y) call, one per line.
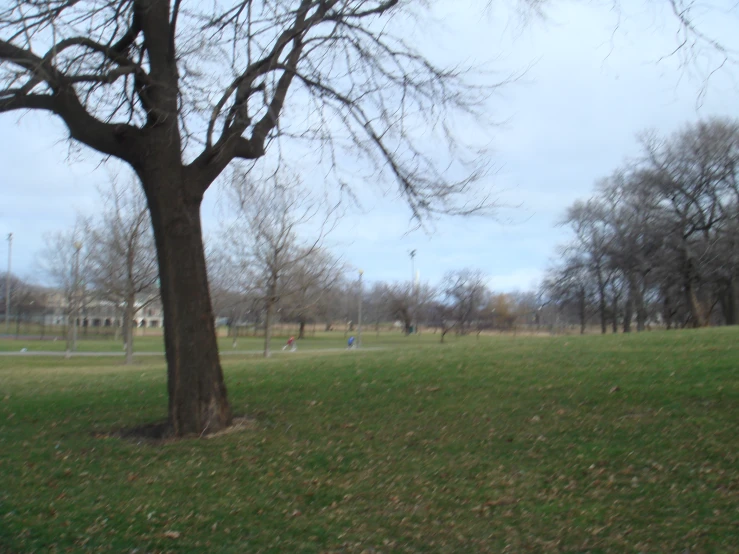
point(271, 295)
point(691, 297)
point(581, 295)
point(602, 303)
point(666, 309)
point(301, 330)
point(628, 313)
point(128, 325)
point(728, 301)
point(614, 314)
point(641, 312)
point(70, 331)
point(198, 400)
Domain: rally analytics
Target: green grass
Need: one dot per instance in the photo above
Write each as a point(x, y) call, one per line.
point(318, 340)
point(571, 444)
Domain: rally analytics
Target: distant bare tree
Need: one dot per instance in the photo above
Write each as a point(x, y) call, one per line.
point(466, 290)
point(65, 259)
point(570, 285)
point(591, 243)
point(374, 306)
point(122, 257)
point(28, 299)
point(15, 284)
point(404, 300)
point(442, 317)
point(277, 228)
point(308, 281)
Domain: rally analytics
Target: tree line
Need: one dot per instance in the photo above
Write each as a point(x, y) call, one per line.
point(267, 263)
point(658, 242)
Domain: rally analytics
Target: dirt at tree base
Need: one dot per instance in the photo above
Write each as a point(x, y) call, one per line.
point(161, 432)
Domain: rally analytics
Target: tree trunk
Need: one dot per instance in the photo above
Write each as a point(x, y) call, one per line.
point(602, 304)
point(603, 315)
point(198, 400)
point(582, 310)
point(301, 330)
point(628, 313)
point(128, 314)
point(116, 328)
point(70, 332)
point(270, 304)
point(614, 314)
point(689, 278)
point(729, 303)
point(641, 312)
point(696, 311)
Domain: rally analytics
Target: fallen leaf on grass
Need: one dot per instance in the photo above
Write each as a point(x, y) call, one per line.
point(172, 534)
point(502, 502)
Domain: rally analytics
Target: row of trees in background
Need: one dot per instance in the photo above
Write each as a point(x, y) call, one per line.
point(268, 264)
point(659, 241)
point(328, 296)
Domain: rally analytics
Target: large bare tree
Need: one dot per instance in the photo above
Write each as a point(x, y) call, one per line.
point(179, 90)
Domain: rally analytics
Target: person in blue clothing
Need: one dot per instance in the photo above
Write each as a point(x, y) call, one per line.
point(350, 343)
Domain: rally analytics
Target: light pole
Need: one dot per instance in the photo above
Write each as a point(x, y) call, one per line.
point(359, 318)
point(7, 285)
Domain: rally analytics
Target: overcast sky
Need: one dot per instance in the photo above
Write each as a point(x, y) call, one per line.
point(596, 79)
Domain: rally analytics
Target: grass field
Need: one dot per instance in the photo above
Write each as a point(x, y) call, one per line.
point(569, 444)
point(318, 340)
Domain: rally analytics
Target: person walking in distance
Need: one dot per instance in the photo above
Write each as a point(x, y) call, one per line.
point(290, 345)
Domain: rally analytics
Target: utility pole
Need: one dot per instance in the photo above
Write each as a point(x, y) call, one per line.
point(359, 322)
point(7, 285)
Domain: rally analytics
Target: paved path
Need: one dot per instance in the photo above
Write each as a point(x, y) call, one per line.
point(62, 353)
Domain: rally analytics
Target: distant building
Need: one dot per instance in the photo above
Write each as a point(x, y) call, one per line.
point(97, 312)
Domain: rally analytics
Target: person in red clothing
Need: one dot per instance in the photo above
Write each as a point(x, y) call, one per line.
point(290, 344)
